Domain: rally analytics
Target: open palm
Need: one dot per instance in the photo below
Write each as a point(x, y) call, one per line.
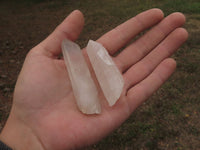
point(44, 100)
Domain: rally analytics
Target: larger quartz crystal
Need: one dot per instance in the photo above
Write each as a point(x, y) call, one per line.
point(107, 73)
point(83, 86)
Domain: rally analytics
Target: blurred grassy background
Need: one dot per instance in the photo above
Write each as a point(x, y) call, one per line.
point(171, 117)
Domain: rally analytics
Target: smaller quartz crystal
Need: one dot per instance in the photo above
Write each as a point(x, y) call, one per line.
point(107, 73)
point(83, 86)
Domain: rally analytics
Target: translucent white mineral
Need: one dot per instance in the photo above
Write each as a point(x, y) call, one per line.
point(107, 73)
point(83, 86)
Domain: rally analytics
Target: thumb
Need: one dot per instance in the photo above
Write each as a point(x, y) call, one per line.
point(70, 28)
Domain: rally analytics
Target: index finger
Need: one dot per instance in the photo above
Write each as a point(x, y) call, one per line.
point(122, 34)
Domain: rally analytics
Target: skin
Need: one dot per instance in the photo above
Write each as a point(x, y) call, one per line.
point(44, 114)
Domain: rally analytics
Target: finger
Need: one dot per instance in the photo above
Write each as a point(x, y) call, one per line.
point(150, 40)
point(165, 49)
point(139, 93)
point(70, 29)
point(122, 34)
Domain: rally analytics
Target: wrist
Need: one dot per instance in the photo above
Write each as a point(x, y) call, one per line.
point(19, 136)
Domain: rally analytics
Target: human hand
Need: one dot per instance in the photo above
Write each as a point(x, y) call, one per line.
point(44, 114)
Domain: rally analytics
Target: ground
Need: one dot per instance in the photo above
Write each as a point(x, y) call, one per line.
point(170, 119)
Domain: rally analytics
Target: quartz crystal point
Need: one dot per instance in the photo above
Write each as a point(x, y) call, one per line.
point(107, 73)
point(83, 86)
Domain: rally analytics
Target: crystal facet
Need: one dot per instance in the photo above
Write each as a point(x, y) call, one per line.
point(107, 73)
point(83, 86)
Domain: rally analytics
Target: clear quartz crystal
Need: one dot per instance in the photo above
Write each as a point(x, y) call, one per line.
point(107, 73)
point(83, 86)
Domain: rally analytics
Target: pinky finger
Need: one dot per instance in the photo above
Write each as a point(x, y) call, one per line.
point(143, 90)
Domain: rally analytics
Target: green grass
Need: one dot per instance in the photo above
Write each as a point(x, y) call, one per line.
point(126, 6)
point(185, 6)
point(170, 119)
